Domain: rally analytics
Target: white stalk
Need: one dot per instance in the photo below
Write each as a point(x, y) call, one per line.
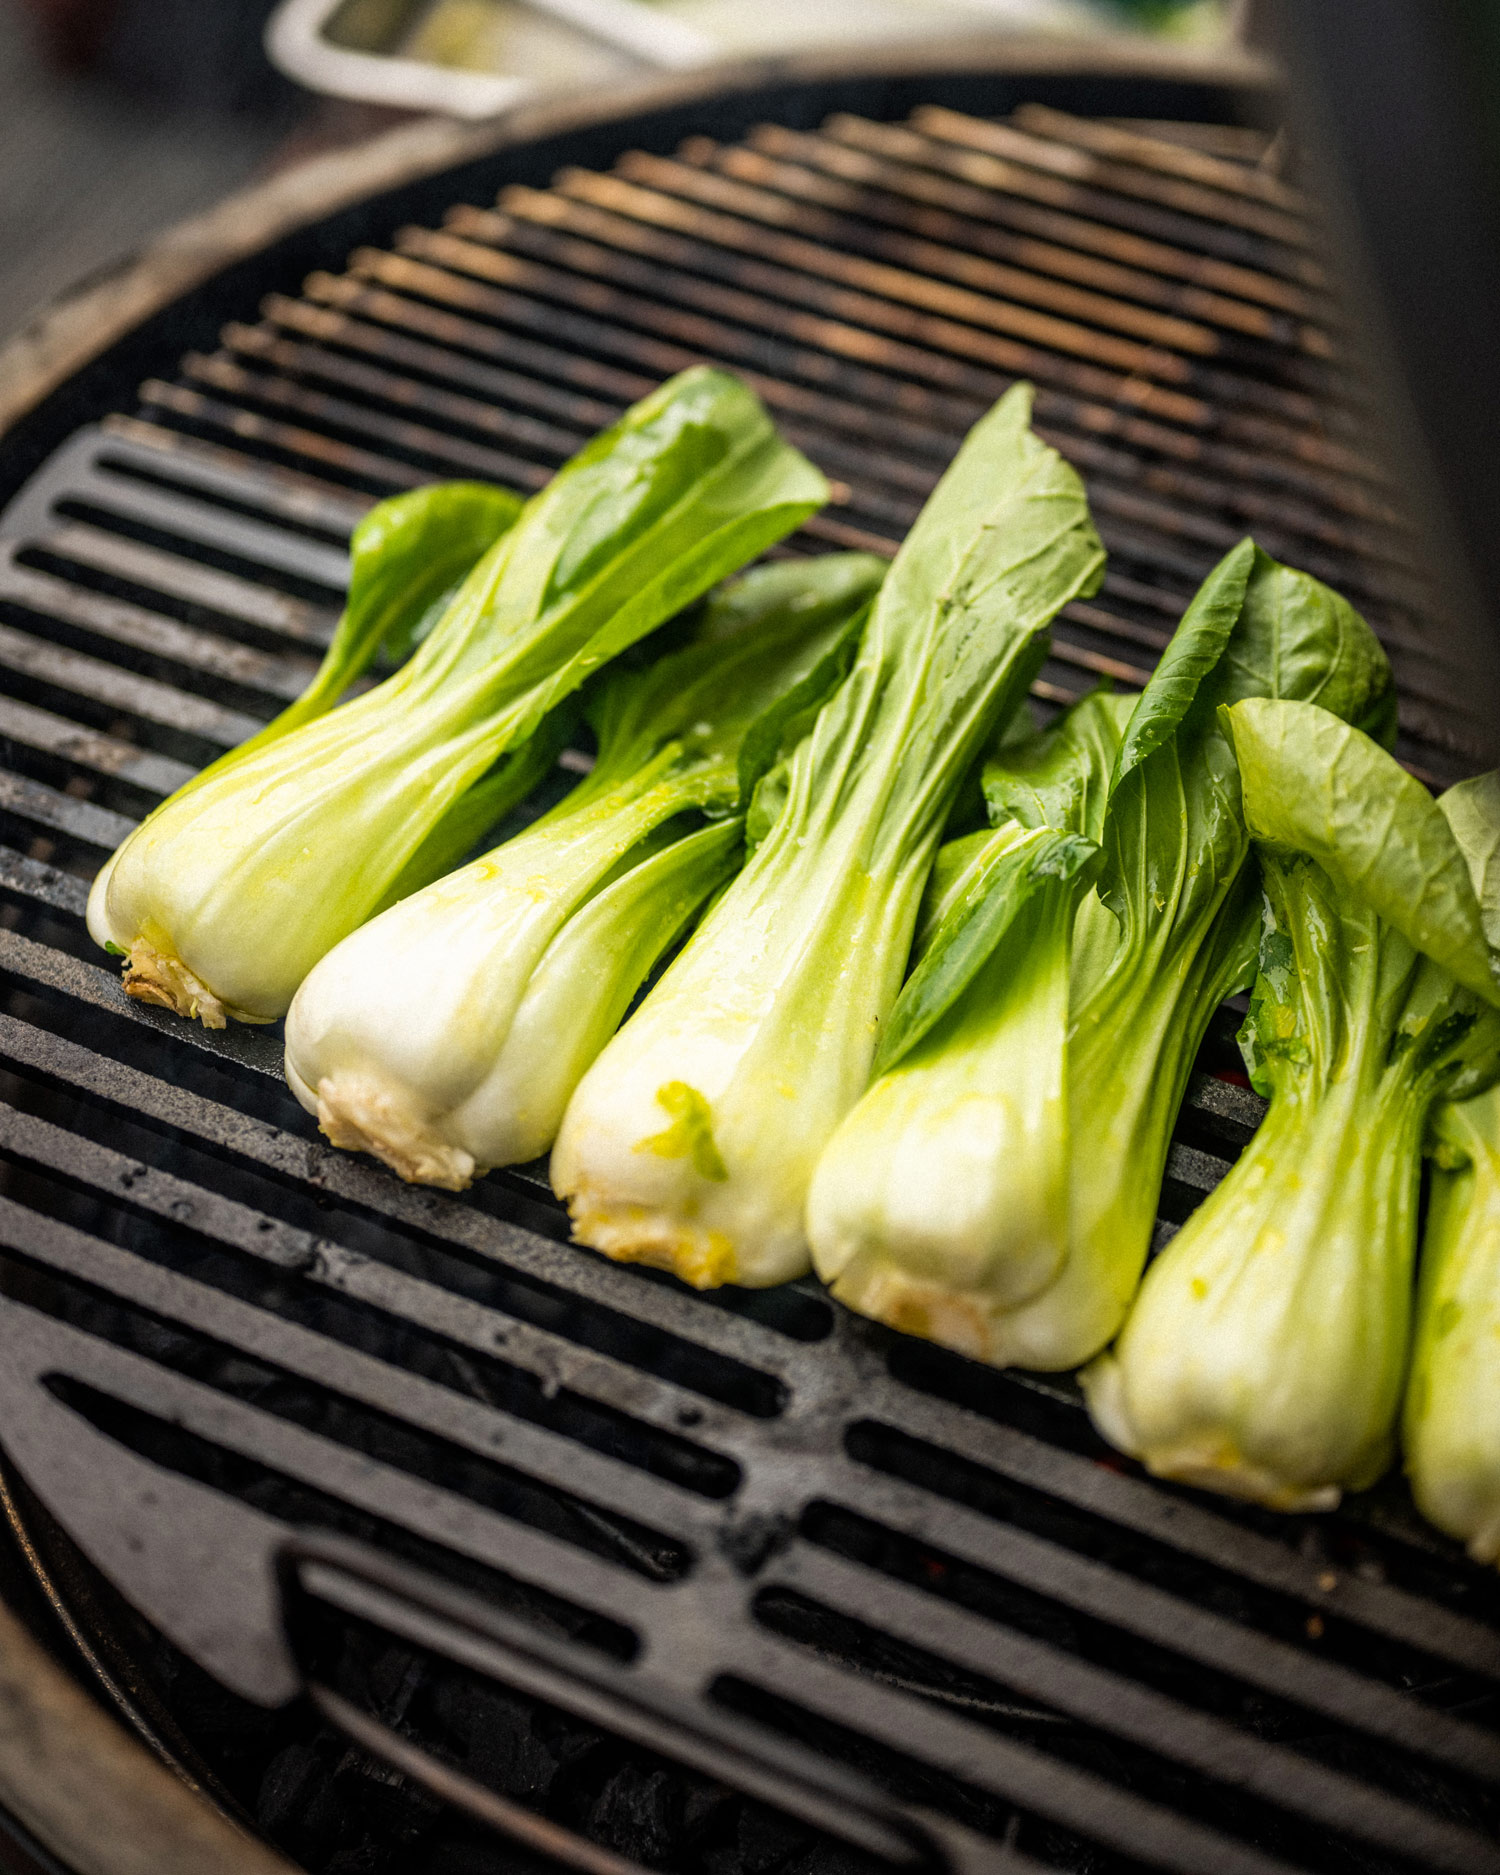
point(941, 1201)
point(393, 1038)
point(691, 1141)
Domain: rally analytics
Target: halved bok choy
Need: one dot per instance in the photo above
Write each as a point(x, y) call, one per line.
point(1266, 1352)
point(230, 893)
point(1085, 1026)
point(447, 1035)
point(691, 1142)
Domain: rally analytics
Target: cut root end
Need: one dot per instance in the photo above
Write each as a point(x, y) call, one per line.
point(359, 1115)
point(167, 983)
point(919, 1307)
point(632, 1234)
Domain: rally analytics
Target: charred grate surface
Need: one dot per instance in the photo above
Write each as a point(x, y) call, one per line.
point(925, 1568)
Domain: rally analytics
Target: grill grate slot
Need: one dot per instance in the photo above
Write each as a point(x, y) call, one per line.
point(928, 1568)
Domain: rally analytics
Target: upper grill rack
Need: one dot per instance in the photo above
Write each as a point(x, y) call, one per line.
point(928, 1568)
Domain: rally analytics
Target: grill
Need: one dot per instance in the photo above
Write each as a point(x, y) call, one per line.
point(416, 1451)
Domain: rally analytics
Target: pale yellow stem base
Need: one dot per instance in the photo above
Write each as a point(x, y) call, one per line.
point(360, 1115)
point(632, 1233)
point(167, 983)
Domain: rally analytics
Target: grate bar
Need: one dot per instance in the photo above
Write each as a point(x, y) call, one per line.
point(1176, 1521)
point(64, 814)
point(1016, 1773)
point(1216, 215)
point(363, 1483)
point(1094, 1589)
point(893, 160)
point(45, 885)
point(582, 415)
point(677, 198)
point(1135, 1713)
point(237, 600)
point(280, 678)
point(1149, 152)
point(326, 1264)
point(450, 454)
point(201, 523)
point(107, 756)
point(941, 335)
point(1196, 250)
point(754, 186)
point(340, 1175)
point(517, 429)
point(362, 464)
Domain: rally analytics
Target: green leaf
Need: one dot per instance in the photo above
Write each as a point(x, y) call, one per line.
point(1316, 785)
point(1173, 830)
point(776, 633)
point(1195, 649)
point(1473, 812)
point(407, 556)
point(1059, 777)
point(1299, 639)
point(1018, 864)
point(783, 724)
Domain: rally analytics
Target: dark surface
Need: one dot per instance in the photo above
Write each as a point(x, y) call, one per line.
point(116, 122)
point(194, 321)
point(1398, 98)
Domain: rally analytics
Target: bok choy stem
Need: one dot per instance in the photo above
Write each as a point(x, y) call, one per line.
point(691, 1141)
point(232, 891)
point(1451, 1417)
point(943, 1196)
point(443, 1035)
point(1265, 1354)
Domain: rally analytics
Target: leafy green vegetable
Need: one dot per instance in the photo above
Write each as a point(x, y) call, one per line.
point(1451, 1419)
point(771, 1014)
point(407, 559)
point(1265, 1354)
point(447, 1034)
point(1172, 928)
point(235, 888)
point(942, 1200)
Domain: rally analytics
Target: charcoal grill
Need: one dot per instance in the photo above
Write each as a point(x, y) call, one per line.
point(297, 1413)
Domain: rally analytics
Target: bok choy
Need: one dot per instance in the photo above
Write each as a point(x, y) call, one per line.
point(691, 1141)
point(1451, 1417)
point(1265, 1354)
point(1170, 929)
point(942, 1199)
point(1084, 1029)
point(524, 963)
point(229, 894)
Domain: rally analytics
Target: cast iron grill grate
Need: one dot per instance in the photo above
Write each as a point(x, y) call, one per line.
point(929, 1570)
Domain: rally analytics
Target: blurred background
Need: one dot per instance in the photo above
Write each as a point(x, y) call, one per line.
point(121, 117)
